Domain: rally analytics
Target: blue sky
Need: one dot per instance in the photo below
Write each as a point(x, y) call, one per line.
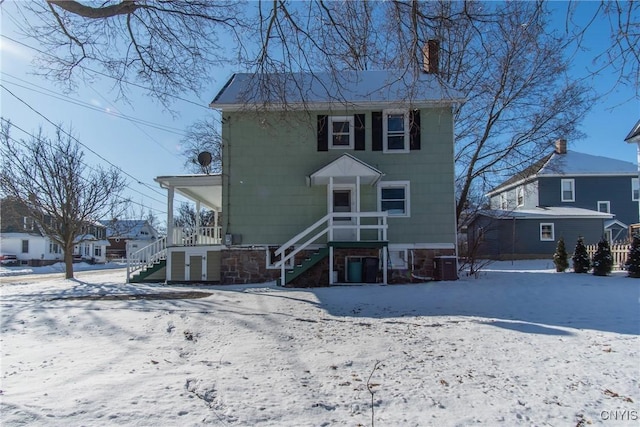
point(144, 141)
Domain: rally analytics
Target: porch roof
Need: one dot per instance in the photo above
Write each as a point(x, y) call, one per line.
point(206, 189)
point(344, 170)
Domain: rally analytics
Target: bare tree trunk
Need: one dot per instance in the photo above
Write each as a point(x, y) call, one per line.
point(68, 263)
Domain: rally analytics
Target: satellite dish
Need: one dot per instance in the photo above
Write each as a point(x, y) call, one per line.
point(204, 159)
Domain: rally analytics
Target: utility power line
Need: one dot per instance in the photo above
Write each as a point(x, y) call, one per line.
point(80, 142)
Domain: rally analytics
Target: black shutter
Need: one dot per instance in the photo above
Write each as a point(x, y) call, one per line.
point(376, 131)
point(414, 129)
point(323, 133)
point(359, 120)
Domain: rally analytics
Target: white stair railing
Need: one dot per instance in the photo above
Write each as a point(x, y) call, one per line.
point(146, 257)
point(329, 225)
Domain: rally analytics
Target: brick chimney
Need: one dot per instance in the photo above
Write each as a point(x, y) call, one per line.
point(561, 146)
point(430, 57)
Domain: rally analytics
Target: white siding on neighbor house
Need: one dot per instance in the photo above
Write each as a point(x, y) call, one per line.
point(530, 191)
point(531, 195)
point(11, 243)
point(39, 248)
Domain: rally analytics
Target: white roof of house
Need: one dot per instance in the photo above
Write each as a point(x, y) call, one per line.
point(125, 228)
point(570, 164)
point(346, 88)
point(634, 134)
point(545, 212)
point(345, 169)
point(574, 163)
point(206, 189)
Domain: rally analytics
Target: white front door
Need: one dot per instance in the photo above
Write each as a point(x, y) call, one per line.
point(343, 200)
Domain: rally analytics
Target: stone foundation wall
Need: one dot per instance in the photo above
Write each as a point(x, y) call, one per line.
point(241, 266)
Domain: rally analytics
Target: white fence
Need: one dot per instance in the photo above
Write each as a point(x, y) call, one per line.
point(619, 252)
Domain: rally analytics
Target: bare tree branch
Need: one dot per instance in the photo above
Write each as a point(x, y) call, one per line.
point(49, 179)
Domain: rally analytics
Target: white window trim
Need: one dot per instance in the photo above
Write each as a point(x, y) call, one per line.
point(351, 132)
point(504, 205)
point(553, 232)
point(407, 196)
point(573, 190)
point(270, 264)
point(401, 255)
point(519, 194)
point(385, 125)
point(635, 184)
point(606, 203)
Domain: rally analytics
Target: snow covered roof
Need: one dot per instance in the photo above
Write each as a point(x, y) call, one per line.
point(634, 135)
point(545, 213)
point(91, 238)
point(126, 228)
point(344, 169)
point(344, 88)
point(572, 163)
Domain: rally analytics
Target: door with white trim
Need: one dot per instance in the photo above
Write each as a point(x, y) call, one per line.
point(343, 200)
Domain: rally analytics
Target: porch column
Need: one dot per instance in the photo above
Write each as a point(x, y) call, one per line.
point(330, 207)
point(170, 195)
point(331, 265)
point(197, 221)
point(216, 235)
point(385, 263)
point(357, 195)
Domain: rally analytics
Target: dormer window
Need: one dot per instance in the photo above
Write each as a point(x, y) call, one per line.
point(27, 223)
point(341, 132)
point(395, 131)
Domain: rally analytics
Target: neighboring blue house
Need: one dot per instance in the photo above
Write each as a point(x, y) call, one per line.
point(565, 194)
point(634, 138)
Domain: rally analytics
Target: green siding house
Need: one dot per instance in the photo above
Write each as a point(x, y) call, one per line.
point(329, 178)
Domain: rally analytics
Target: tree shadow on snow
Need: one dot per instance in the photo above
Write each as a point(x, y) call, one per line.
point(529, 302)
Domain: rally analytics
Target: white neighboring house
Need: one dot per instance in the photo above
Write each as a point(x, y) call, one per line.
point(24, 239)
point(128, 235)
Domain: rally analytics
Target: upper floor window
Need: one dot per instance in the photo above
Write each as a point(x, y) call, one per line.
point(393, 197)
point(503, 201)
point(547, 232)
point(568, 190)
point(604, 207)
point(341, 133)
point(635, 189)
point(520, 196)
point(395, 131)
point(27, 223)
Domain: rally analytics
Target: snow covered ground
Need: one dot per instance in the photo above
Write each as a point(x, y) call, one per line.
point(520, 345)
point(58, 267)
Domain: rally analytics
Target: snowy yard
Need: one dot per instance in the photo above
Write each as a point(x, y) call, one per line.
point(521, 345)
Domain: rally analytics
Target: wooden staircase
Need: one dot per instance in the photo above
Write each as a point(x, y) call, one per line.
point(145, 275)
point(299, 269)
